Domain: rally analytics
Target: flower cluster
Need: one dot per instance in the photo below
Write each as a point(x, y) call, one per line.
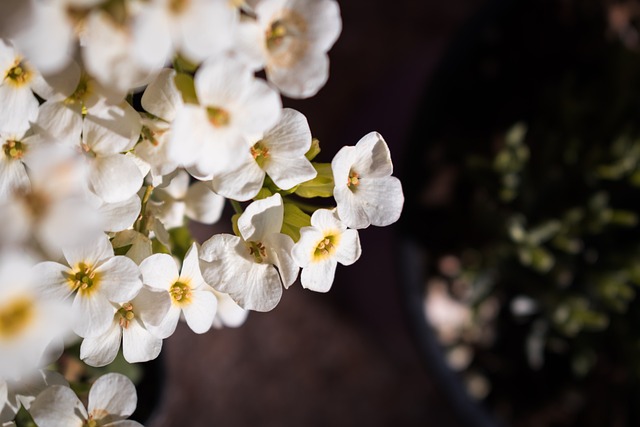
point(122, 119)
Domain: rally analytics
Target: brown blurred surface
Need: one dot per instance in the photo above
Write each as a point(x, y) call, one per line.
point(345, 358)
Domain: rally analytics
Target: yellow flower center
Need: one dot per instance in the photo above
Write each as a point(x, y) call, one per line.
point(260, 153)
point(14, 150)
point(84, 279)
point(326, 247)
point(126, 314)
point(354, 180)
point(19, 74)
point(257, 250)
point(15, 316)
point(218, 117)
point(180, 293)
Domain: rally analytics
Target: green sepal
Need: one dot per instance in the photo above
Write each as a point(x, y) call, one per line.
point(181, 240)
point(320, 186)
point(186, 86)
point(314, 150)
point(182, 65)
point(294, 220)
point(263, 193)
point(234, 224)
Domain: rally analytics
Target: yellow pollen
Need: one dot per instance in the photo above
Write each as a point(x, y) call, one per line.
point(180, 293)
point(276, 34)
point(151, 135)
point(14, 150)
point(19, 74)
point(257, 250)
point(84, 280)
point(353, 180)
point(260, 152)
point(15, 316)
point(326, 247)
point(218, 117)
point(126, 314)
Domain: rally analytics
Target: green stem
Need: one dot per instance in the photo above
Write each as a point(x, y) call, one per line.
point(236, 206)
point(141, 223)
point(306, 207)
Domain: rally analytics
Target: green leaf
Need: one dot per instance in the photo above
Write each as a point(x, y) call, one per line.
point(294, 220)
point(321, 186)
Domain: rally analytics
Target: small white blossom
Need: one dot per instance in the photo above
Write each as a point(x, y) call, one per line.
point(365, 191)
point(279, 153)
point(129, 325)
point(190, 294)
point(97, 279)
point(234, 106)
point(112, 399)
point(252, 268)
point(321, 247)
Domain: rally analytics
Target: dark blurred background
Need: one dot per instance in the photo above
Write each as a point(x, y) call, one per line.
point(345, 358)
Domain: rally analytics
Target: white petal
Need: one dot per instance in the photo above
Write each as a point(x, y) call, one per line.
point(18, 108)
point(61, 120)
point(382, 199)
point(159, 271)
point(318, 276)
point(200, 313)
point(167, 327)
point(190, 129)
point(93, 314)
point(229, 313)
point(113, 393)
point(113, 129)
point(325, 219)
point(102, 349)
point(13, 177)
point(351, 208)
point(373, 156)
point(243, 182)
point(95, 249)
point(138, 344)
point(151, 305)
point(115, 178)
point(291, 137)
point(58, 406)
point(121, 215)
point(52, 280)
point(162, 98)
point(304, 78)
point(191, 267)
point(261, 110)
point(202, 204)
point(304, 249)
point(262, 218)
point(348, 250)
point(221, 81)
point(58, 85)
point(119, 279)
point(279, 248)
point(286, 173)
point(253, 286)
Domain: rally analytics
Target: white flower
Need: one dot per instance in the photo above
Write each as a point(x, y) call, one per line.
point(23, 392)
point(19, 105)
point(30, 323)
point(245, 267)
point(129, 325)
point(190, 294)
point(96, 277)
point(163, 100)
point(234, 106)
point(179, 199)
point(112, 399)
point(279, 153)
point(16, 149)
point(110, 56)
point(365, 191)
point(295, 37)
point(113, 176)
point(54, 211)
point(321, 247)
point(198, 29)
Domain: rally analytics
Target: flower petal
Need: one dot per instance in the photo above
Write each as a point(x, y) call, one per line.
point(138, 344)
point(119, 279)
point(113, 393)
point(200, 313)
point(159, 271)
point(102, 349)
point(318, 276)
point(262, 218)
point(58, 406)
